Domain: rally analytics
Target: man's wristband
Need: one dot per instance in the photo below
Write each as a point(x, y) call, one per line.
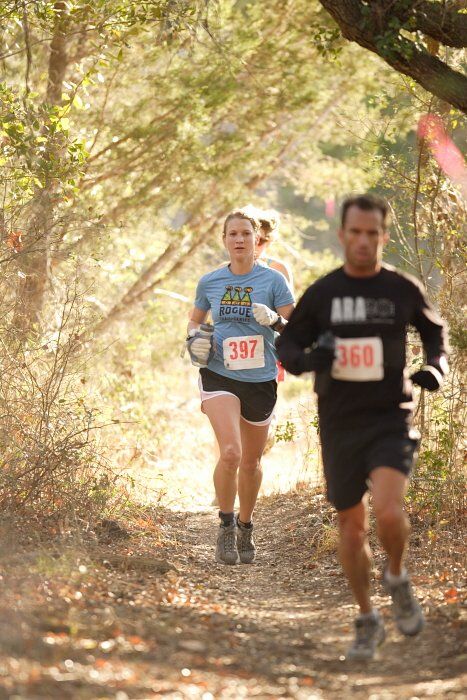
point(279, 325)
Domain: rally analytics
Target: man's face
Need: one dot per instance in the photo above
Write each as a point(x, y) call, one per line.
point(363, 238)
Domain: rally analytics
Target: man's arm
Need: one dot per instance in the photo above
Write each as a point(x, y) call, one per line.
point(433, 334)
point(302, 330)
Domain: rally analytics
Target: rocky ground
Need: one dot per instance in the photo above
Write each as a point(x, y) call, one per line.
point(143, 611)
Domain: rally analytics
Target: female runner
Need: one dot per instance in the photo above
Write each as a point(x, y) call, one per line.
point(249, 302)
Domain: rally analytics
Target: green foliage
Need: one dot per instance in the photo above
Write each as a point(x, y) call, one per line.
point(286, 432)
point(158, 117)
point(438, 486)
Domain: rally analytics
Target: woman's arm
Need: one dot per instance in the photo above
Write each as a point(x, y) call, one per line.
point(197, 317)
point(284, 313)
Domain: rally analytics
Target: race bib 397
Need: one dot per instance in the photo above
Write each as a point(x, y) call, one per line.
point(243, 352)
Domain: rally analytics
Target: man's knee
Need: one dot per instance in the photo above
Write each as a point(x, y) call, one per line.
point(390, 516)
point(231, 455)
point(353, 532)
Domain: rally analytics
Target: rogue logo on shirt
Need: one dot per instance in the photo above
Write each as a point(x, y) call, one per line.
point(236, 303)
point(240, 296)
point(361, 309)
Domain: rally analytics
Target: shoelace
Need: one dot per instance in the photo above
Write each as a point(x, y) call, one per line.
point(363, 633)
point(244, 540)
point(404, 597)
point(229, 540)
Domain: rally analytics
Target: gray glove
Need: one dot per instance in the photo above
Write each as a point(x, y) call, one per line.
point(199, 344)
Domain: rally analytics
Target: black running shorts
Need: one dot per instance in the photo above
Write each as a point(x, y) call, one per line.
point(257, 399)
point(350, 454)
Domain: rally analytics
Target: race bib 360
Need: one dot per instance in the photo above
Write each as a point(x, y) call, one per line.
point(243, 352)
point(358, 360)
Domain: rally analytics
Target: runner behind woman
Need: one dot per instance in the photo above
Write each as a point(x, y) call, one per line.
point(248, 302)
point(350, 328)
point(269, 231)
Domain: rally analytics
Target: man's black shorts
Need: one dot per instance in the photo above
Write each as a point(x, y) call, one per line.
point(257, 399)
point(350, 454)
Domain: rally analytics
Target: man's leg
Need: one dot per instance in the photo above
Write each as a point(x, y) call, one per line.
point(355, 556)
point(388, 489)
point(354, 552)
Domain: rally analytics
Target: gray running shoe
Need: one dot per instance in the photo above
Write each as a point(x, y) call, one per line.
point(369, 634)
point(226, 548)
point(245, 543)
point(407, 611)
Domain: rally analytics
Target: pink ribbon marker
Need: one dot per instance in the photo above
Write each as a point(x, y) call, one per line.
point(444, 150)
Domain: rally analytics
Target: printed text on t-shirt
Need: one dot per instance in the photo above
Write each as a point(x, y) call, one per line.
point(362, 309)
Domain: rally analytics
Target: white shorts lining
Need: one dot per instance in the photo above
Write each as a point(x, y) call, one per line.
point(260, 423)
point(206, 395)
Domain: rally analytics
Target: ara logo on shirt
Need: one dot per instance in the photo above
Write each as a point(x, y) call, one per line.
point(238, 296)
point(361, 309)
point(236, 304)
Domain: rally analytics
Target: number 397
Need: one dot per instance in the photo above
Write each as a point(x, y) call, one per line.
point(242, 349)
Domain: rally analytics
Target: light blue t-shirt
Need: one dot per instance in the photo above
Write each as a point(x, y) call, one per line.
point(238, 339)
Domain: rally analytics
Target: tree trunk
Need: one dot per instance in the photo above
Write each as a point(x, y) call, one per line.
point(34, 261)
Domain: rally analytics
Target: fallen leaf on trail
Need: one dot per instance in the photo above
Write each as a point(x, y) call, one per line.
point(451, 595)
point(306, 680)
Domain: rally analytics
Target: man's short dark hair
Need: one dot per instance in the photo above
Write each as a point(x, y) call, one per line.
point(367, 202)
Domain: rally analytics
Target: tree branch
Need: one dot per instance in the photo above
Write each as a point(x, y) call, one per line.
point(446, 25)
point(367, 24)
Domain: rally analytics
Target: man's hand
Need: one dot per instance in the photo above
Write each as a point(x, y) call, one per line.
point(431, 376)
point(264, 315)
point(199, 346)
point(321, 357)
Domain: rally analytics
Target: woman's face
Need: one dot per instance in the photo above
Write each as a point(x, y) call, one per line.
point(240, 239)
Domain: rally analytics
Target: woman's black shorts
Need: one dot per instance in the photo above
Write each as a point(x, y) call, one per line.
point(257, 399)
point(350, 454)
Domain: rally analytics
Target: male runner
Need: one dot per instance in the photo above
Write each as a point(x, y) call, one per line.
point(350, 328)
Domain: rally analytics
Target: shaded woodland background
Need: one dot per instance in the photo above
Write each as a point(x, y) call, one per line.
point(128, 131)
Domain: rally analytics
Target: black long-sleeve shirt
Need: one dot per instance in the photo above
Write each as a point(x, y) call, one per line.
point(369, 318)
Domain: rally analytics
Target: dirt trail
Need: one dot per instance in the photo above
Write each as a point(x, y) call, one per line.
point(166, 621)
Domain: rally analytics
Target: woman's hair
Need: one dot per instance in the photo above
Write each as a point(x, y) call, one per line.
point(269, 220)
point(247, 213)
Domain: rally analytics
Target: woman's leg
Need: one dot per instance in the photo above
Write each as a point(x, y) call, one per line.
point(224, 414)
point(253, 441)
